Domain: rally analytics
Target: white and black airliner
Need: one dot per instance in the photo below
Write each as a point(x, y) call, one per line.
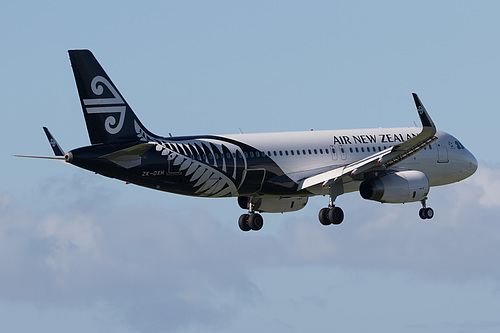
point(267, 172)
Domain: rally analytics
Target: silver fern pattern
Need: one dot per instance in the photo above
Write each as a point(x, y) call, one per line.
point(212, 172)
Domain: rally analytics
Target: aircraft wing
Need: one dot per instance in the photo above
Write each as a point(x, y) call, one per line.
point(61, 158)
point(58, 151)
point(383, 159)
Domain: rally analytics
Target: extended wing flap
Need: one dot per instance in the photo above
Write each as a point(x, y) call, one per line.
point(330, 176)
point(383, 159)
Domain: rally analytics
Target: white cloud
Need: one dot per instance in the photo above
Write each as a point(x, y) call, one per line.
point(459, 244)
point(486, 184)
point(147, 264)
point(164, 269)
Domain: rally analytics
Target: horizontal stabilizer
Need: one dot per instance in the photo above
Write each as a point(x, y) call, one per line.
point(129, 157)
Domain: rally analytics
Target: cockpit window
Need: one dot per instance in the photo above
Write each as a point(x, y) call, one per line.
point(459, 145)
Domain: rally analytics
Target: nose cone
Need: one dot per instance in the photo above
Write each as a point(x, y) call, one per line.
point(469, 163)
point(472, 163)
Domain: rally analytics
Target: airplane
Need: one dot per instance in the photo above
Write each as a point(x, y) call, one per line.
point(267, 172)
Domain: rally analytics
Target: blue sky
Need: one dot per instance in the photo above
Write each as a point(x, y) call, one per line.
point(79, 252)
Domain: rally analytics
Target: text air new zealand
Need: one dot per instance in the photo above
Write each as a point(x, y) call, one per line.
point(268, 172)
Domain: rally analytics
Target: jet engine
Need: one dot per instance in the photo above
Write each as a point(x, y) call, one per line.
point(274, 204)
point(397, 187)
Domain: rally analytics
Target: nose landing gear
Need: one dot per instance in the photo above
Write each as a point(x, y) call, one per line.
point(425, 212)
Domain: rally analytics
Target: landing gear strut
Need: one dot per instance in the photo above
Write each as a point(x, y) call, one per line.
point(332, 214)
point(252, 220)
point(425, 212)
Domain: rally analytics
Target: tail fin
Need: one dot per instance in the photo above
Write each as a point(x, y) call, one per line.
point(108, 116)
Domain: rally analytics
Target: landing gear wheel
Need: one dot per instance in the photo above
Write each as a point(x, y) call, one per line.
point(429, 213)
point(426, 213)
point(255, 222)
point(243, 222)
point(323, 216)
point(336, 215)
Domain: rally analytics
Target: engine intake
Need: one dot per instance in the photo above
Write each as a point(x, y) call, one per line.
point(397, 187)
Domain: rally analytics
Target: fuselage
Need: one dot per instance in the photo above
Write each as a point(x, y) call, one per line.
point(268, 164)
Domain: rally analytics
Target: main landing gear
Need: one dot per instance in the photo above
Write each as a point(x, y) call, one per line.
point(332, 214)
point(252, 220)
point(425, 212)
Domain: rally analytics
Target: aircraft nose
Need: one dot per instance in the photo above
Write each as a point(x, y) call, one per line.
point(472, 163)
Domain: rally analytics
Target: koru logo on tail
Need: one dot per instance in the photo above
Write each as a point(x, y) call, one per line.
point(111, 105)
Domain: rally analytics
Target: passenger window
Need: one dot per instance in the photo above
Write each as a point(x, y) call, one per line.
point(362, 149)
point(275, 154)
point(357, 149)
point(303, 151)
point(315, 151)
point(298, 152)
point(251, 154)
point(286, 152)
point(350, 149)
point(310, 151)
point(321, 151)
point(291, 152)
point(342, 150)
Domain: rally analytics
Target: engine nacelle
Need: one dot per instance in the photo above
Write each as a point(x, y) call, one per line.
point(274, 204)
point(397, 187)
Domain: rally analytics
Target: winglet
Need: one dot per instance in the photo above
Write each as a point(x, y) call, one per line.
point(422, 112)
point(53, 143)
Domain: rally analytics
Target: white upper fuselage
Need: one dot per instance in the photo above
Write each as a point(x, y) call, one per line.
point(302, 154)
